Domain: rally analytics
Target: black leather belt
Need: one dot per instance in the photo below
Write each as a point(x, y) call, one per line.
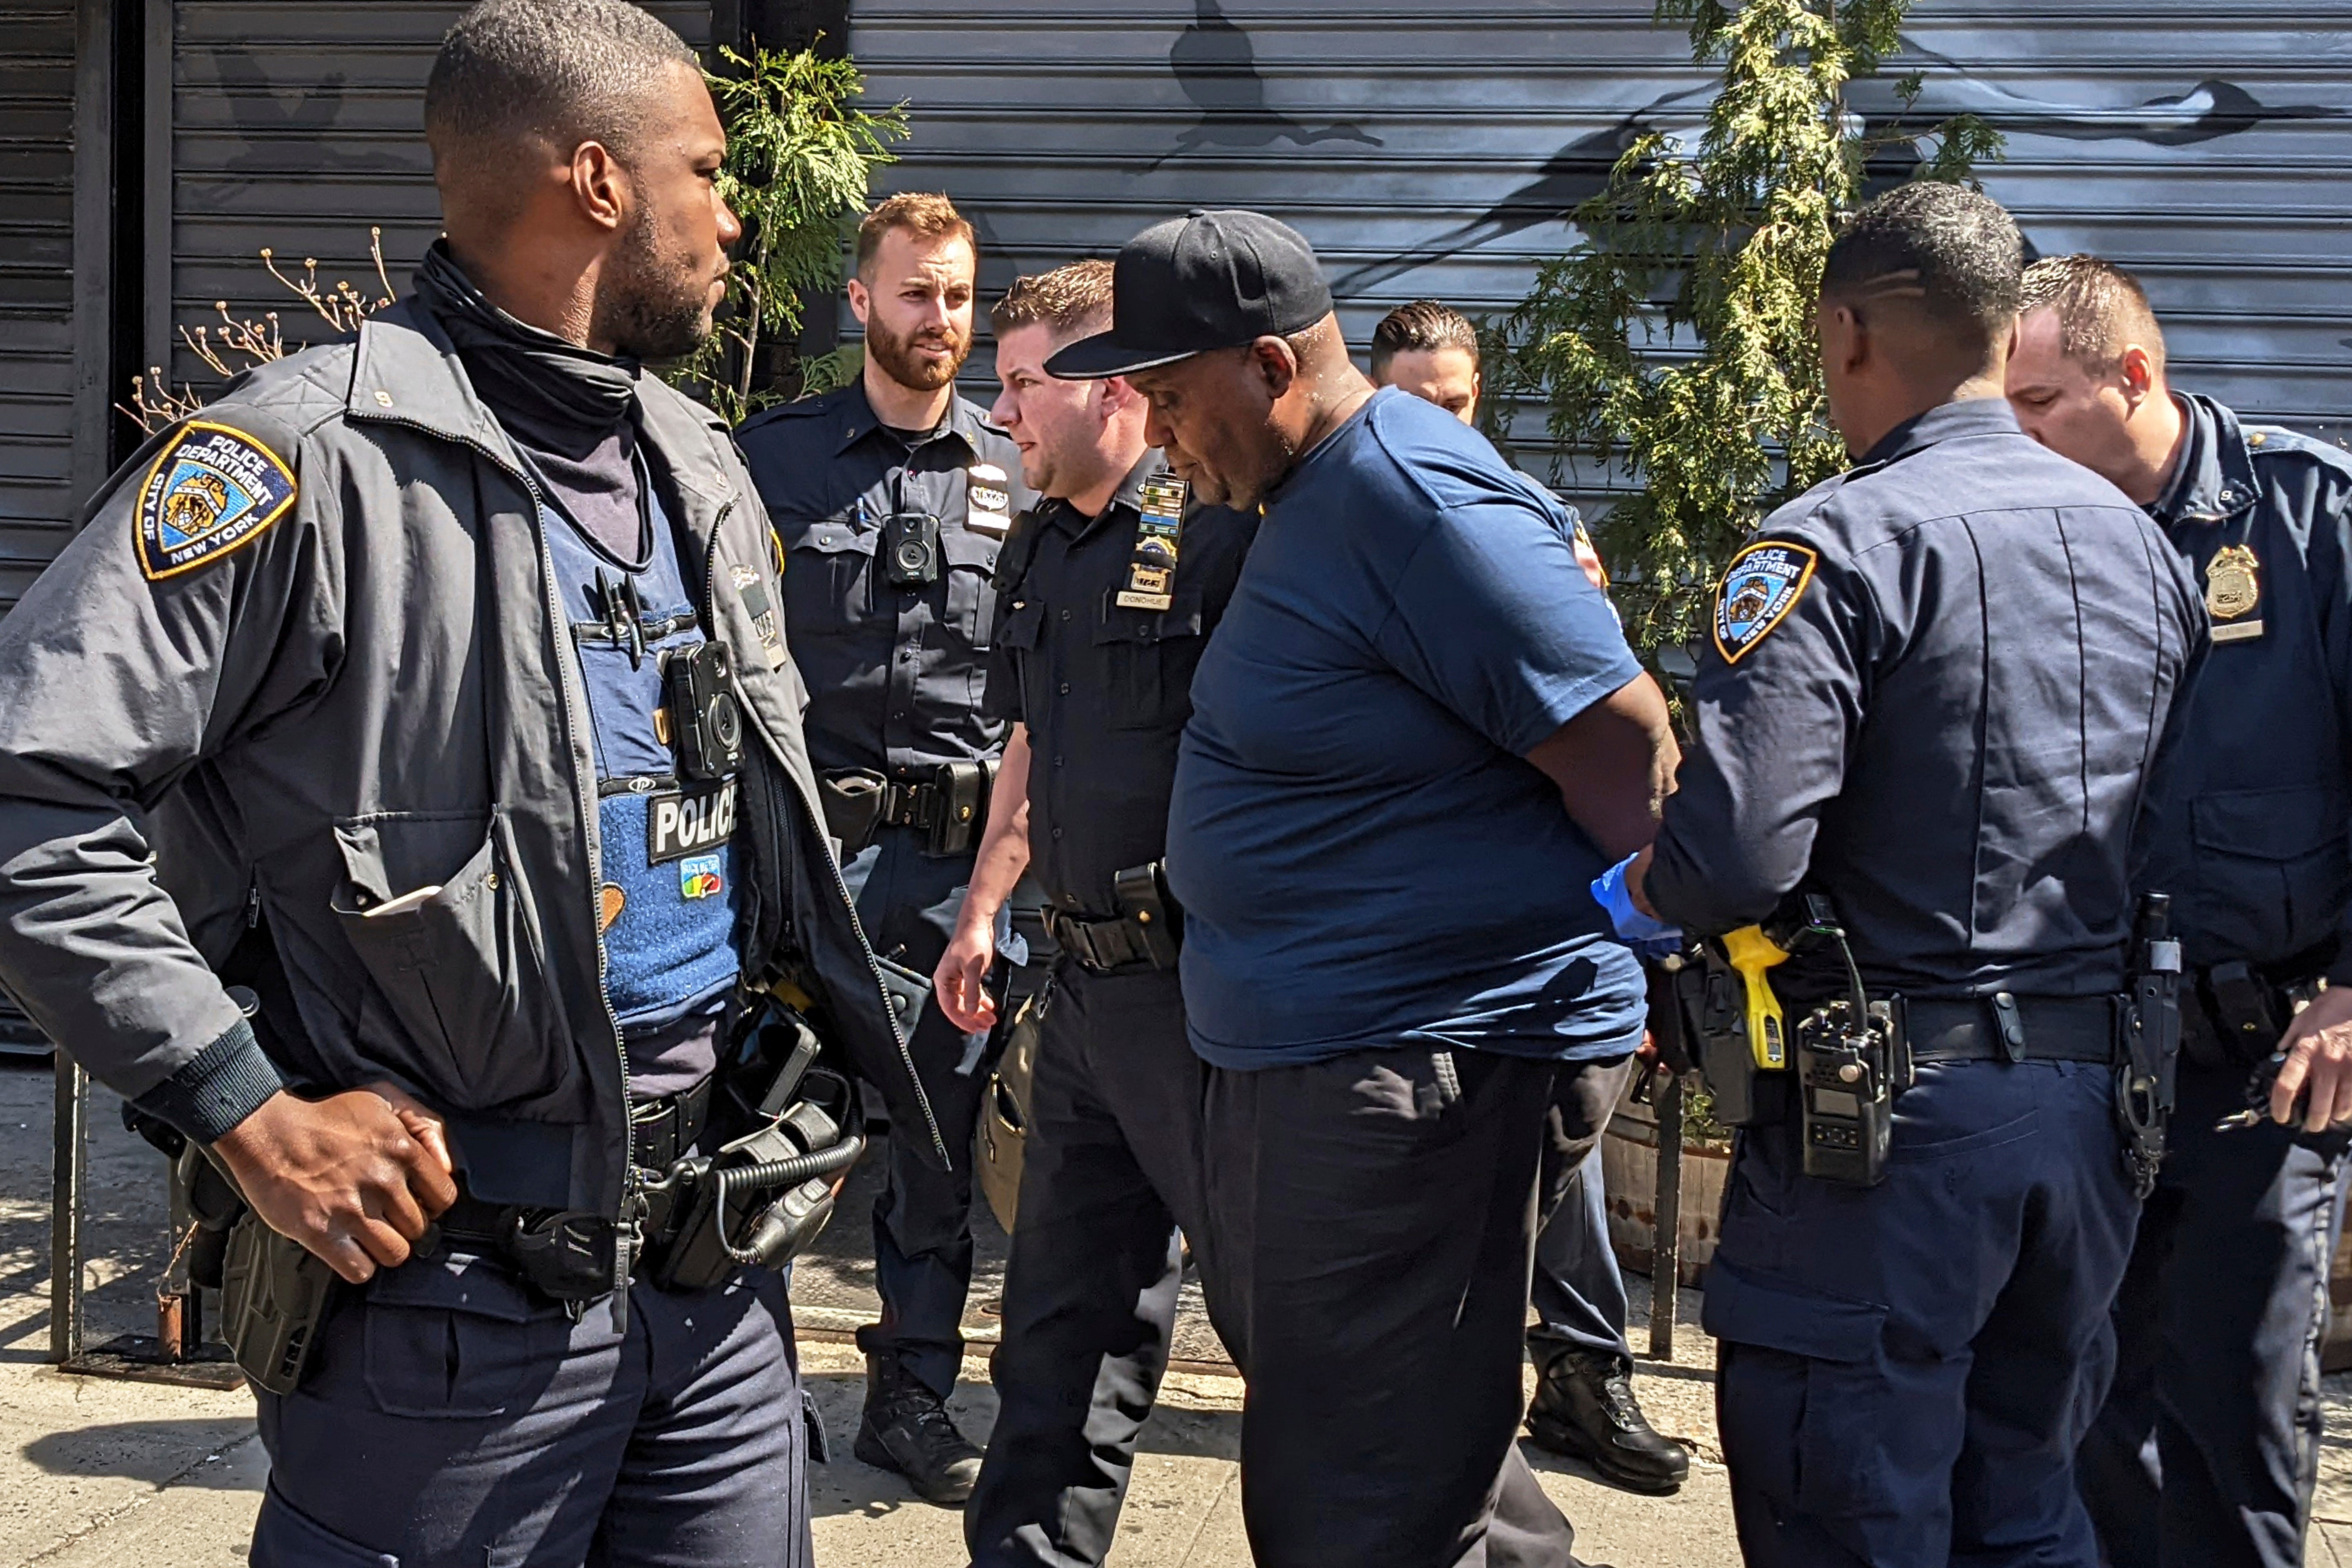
point(948, 801)
point(2006, 1028)
point(1100, 946)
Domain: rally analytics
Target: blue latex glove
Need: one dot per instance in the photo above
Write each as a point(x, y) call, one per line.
point(1649, 937)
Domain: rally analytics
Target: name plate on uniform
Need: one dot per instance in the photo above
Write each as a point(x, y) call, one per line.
point(2237, 631)
point(678, 825)
point(1151, 572)
point(987, 499)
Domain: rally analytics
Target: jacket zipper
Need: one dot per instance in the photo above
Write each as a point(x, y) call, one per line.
point(840, 887)
point(625, 1219)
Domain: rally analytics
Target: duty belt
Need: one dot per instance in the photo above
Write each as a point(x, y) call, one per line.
point(1101, 946)
point(2008, 1027)
point(559, 1250)
point(2232, 1014)
point(948, 801)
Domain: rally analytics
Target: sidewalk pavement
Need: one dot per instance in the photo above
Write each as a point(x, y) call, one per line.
point(102, 1474)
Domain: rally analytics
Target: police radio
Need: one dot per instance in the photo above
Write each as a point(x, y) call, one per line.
point(705, 719)
point(1852, 1059)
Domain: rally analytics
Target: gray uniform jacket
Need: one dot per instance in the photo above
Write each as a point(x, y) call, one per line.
point(348, 666)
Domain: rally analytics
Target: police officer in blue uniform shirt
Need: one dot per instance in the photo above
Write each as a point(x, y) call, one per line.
point(1934, 694)
point(2208, 1447)
point(1112, 586)
point(891, 498)
point(1416, 725)
point(431, 630)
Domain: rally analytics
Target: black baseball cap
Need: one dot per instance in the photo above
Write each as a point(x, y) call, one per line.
point(1203, 281)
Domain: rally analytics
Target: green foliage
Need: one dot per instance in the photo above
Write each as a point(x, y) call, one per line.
point(1676, 341)
point(801, 158)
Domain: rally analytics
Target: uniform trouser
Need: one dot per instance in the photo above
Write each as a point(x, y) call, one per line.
point(1906, 1369)
point(1110, 1168)
point(907, 900)
point(2206, 1450)
point(1371, 1222)
point(451, 1420)
point(1579, 1294)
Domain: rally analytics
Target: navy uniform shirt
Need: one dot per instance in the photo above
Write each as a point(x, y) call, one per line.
point(1104, 690)
point(1935, 689)
point(897, 676)
point(2252, 844)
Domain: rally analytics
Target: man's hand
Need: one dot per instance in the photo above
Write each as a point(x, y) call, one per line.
point(354, 1177)
point(959, 983)
point(2318, 1046)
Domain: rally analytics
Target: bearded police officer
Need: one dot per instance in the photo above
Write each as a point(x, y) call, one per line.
point(2208, 1448)
point(463, 636)
point(1112, 586)
point(1584, 1404)
point(891, 498)
point(1931, 707)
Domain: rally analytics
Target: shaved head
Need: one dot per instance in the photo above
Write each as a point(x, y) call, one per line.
point(522, 79)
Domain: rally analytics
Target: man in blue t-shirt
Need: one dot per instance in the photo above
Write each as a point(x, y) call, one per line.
point(1389, 940)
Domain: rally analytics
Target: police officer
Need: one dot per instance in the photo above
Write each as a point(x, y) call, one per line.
point(1584, 1404)
point(411, 622)
point(2206, 1447)
point(1111, 587)
point(1931, 695)
point(891, 498)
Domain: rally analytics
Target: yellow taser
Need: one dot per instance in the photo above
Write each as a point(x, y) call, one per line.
point(1751, 953)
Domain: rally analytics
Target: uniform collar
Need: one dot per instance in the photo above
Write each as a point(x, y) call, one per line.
point(1946, 422)
point(2216, 481)
point(1130, 494)
point(859, 419)
point(405, 371)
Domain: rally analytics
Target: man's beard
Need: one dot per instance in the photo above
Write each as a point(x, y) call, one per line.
point(660, 306)
point(896, 358)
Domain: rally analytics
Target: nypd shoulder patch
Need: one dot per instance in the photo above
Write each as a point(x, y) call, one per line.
point(1762, 587)
point(212, 489)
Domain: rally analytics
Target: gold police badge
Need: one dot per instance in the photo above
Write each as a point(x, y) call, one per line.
point(2232, 582)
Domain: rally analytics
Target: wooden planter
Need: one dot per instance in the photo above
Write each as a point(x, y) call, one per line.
point(1629, 1164)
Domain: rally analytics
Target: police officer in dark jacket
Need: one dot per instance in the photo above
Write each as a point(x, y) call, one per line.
point(400, 624)
point(2206, 1450)
point(1935, 695)
point(1111, 588)
point(891, 498)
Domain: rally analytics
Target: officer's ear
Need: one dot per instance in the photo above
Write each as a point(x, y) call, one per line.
point(600, 185)
point(2136, 368)
point(1275, 364)
point(1119, 396)
point(1845, 338)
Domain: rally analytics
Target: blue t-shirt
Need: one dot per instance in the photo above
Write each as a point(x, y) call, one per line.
point(1364, 855)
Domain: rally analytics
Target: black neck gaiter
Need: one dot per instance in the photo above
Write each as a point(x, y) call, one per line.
point(567, 408)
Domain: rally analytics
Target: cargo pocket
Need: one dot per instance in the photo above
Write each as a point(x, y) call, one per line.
point(462, 975)
point(1151, 656)
point(2274, 864)
point(286, 1537)
point(457, 1341)
point(1807, 1415)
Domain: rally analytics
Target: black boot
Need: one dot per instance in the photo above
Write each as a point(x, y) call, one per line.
point(907, 1429)
point(1584, 1408)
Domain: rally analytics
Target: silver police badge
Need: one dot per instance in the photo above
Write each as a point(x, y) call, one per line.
point(1759, 588)
point(212, 489)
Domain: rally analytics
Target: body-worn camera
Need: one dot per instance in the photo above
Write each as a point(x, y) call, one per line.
point(910, 548)
point(705, 719)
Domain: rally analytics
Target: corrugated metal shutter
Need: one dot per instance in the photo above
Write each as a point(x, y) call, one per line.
point(298, 127)
point(1435, 149)
point(36, 287)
